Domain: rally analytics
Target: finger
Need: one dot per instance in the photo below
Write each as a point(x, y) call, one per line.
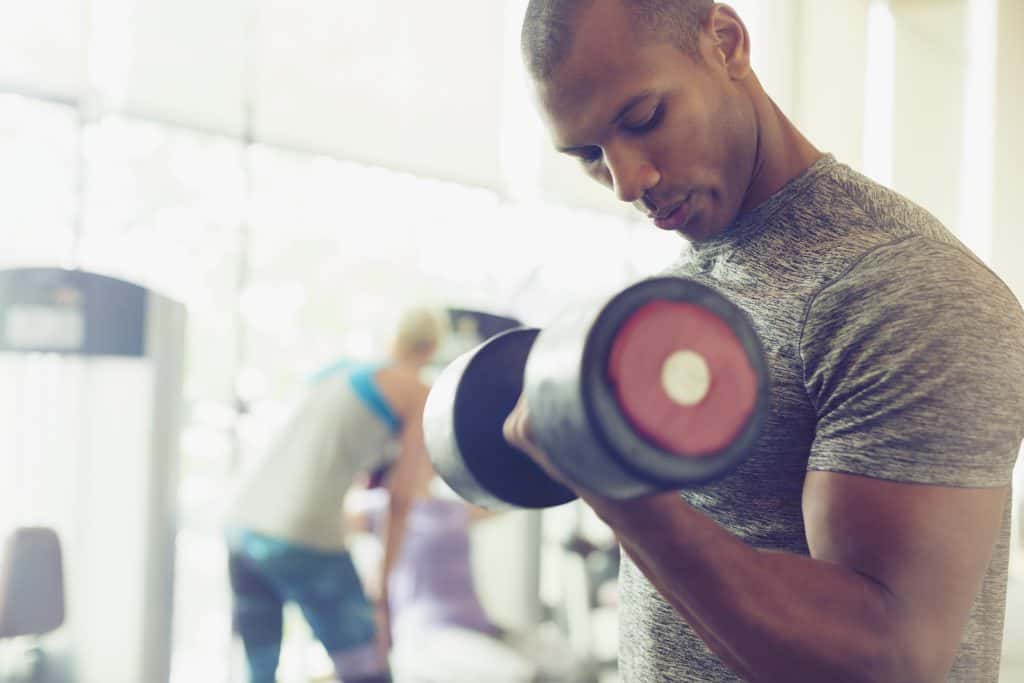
point(516, 427)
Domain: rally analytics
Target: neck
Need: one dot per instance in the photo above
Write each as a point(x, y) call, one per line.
point(783, 153)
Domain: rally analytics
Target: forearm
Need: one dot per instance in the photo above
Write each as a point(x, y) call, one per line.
point(398, 514)
point(769, 616)
point(403, 480)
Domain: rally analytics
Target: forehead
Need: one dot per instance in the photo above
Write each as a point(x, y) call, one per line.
point(606, 66)
point(603, 48)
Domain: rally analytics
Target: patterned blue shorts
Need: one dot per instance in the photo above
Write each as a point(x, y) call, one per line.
point(266, 572)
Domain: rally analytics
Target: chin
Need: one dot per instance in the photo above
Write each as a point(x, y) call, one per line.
point(700, 227)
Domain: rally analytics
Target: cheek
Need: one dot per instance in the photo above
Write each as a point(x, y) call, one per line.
point(724, 149)
point(688, 148)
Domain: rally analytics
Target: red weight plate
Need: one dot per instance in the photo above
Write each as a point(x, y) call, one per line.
point(656, 332)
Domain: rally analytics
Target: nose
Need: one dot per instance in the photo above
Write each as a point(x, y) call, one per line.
point(632, 174)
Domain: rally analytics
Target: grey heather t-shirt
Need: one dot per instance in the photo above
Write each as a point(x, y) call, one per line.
point(894, 353)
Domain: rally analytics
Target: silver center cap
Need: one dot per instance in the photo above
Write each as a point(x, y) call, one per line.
point(686, 378)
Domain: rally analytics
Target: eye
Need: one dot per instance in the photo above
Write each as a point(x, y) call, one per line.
point(648, 124)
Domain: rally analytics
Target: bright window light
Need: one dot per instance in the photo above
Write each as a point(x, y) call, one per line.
point(110, 49)
point(978, 155)
point(880, 93)
point(521, 135)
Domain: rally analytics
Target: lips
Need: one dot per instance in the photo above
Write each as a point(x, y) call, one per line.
point(675, 218)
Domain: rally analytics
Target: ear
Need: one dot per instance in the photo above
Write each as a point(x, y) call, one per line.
point(731, 40)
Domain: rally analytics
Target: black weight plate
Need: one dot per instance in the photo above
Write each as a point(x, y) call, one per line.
point(465, 436)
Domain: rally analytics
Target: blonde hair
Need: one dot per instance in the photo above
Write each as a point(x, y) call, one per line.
point(419, 333)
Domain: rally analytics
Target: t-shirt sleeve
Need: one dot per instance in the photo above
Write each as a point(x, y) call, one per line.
point(914, 363)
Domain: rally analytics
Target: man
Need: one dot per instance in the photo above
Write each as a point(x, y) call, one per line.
point(866, 537)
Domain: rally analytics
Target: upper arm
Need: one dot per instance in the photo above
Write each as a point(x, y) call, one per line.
point(415, 396)
point(413, 466)
point(927, 547)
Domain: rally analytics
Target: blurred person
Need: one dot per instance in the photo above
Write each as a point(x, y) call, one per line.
point(285, 526)
point(866, 536)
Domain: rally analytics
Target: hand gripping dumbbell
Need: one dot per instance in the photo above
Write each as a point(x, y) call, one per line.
point(661, 387)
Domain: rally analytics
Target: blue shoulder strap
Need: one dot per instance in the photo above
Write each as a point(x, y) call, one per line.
point(360, 376)
point(362, 382)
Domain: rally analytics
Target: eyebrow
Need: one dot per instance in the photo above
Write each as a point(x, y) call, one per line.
point(632, 102)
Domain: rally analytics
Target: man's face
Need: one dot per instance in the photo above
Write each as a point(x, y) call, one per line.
point(674, 137)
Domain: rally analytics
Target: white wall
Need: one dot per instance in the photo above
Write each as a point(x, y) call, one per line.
point(1008, 233)
point(931, 61)
point(830, 58)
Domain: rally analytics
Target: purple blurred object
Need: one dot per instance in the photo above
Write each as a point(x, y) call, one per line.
point(431, 585)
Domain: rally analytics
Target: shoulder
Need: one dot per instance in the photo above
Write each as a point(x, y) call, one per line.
point(930, 283)
point(404, 391)
point(917, 305)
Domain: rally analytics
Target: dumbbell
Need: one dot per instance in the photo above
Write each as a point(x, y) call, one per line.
point(662, 386)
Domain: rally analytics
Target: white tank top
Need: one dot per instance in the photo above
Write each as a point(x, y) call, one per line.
point(295, 492)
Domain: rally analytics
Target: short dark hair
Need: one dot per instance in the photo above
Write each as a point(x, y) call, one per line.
point(548, 28)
